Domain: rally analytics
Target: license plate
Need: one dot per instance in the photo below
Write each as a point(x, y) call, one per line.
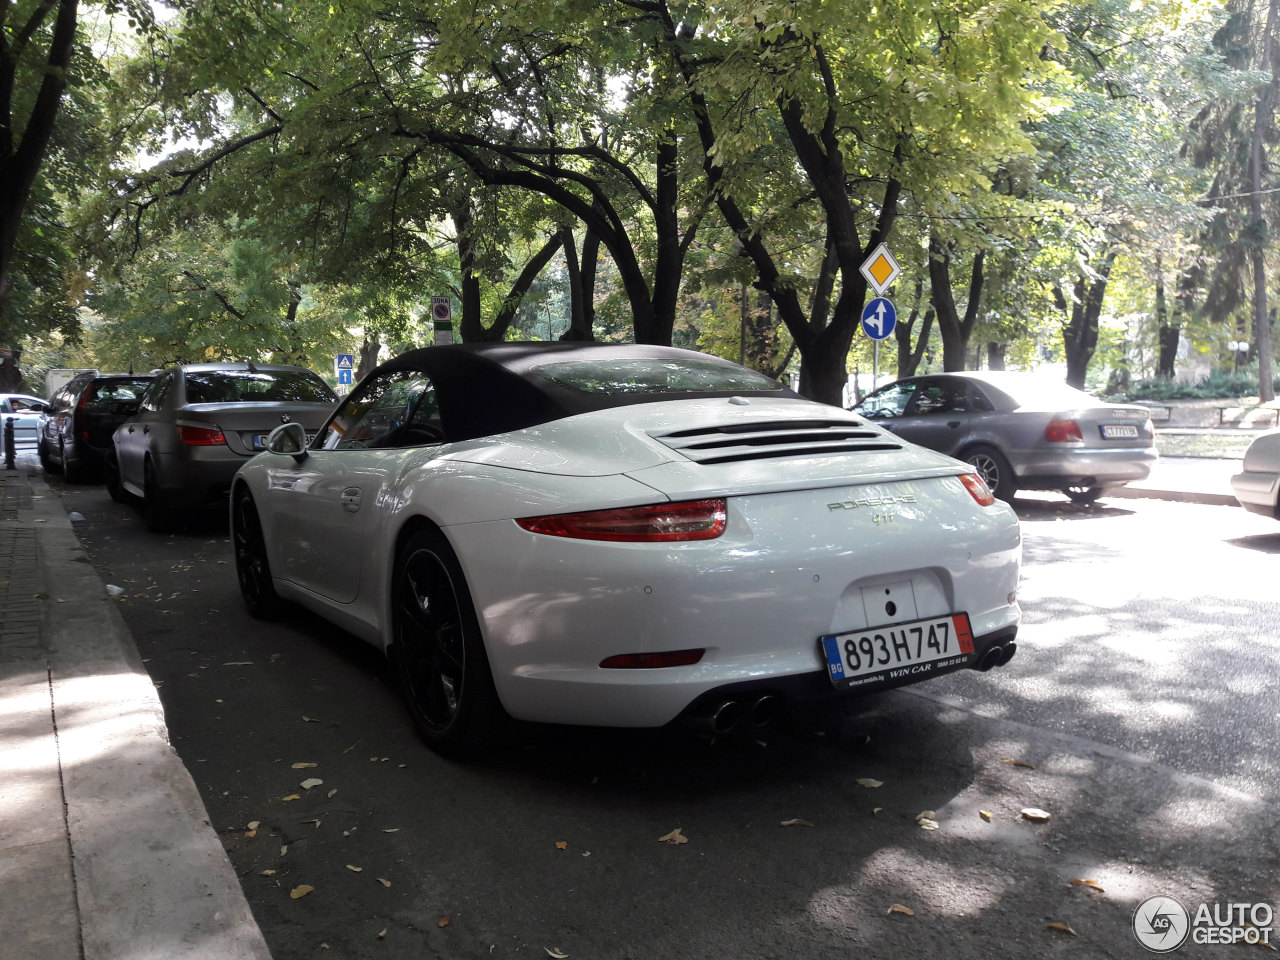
point(900, 651)
point(1119, 431)
point(259, 441)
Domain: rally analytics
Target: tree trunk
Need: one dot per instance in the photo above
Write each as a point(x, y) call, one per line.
point(1168, 333)
point(995, 355)
point(581, 292)
point(908, 356)
point(955, 329)
point(1080, 335)
point(368, 356)
point(1263, 120)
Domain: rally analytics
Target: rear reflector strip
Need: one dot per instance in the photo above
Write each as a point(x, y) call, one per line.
point(650, 661)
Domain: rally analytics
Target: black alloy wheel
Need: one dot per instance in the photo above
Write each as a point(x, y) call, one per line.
point(437, 651)
point(46, 461)
point(994, 469)
point(253, 571)
point(72, 472)
point(155, 508)
point(111, 473)
point(1083, 494)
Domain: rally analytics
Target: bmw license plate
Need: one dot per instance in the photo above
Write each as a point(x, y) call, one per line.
point(259, 441)
point(1119, 431)
point(900, 651)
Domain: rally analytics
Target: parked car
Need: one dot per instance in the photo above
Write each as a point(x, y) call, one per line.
point(1020, 431)
point(622, 535)
point(25, 412)
point(75, 432)
point(196, 424)
point(1257, 486)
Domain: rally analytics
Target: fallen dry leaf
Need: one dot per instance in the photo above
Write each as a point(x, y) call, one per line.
point(1035, 815)
point(385, 883)
point(355, 869)
point(869, 782)
point(899, 908)
point(557, 953)
point(292, 796)
point(267, 873)
point(1018, 763)
point(382, 934)
point(253, 825)
point(926, 820)
point(391, 830)
point(986, 815)
point(331, 793)
point(311, 782)
point(675, 836)
point(306, 719)
point(305, 765)
point(562, 844)
point(443, 921)
point(1061, 928)
point(1091, 884)
point(797, 822)
point(300, 891)
point(876, 810)
point(283, 850)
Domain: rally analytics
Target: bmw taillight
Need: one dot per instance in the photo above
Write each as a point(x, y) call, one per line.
point(655, 523)
point(1062, 431)
point(977, 489)
point(194, 436)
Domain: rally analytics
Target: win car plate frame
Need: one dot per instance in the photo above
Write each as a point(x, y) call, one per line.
point(899, 651)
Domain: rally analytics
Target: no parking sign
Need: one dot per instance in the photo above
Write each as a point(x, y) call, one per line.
point(442, 319)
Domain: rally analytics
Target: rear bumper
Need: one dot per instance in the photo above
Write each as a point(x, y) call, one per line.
point(1081, 467)
point(1258, 492)
point(199, 477)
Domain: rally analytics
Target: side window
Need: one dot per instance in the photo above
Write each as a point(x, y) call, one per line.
point(396, 409)
point(889, 402)
point(978, 401)
point(938, 396)
point(159, 389)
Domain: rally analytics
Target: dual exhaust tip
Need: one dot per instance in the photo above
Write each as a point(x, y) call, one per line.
point(725, 716)
point(997, 655)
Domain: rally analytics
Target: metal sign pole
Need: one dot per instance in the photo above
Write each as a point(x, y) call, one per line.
point(875, 364)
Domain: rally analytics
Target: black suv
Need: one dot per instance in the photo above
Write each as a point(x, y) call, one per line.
point(75, 432)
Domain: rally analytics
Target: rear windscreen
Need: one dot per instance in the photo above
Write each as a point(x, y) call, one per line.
point(100, 396)
point(612, 377)
point(263, 386)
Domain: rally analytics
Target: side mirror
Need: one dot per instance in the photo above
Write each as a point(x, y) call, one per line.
point(289, 439)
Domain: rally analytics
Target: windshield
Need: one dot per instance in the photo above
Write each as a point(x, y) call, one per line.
point(611, 377)
point(262, 386)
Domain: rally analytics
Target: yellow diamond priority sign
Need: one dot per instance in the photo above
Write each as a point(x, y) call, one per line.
point(880, 269)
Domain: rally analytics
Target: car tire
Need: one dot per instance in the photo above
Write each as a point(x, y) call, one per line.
point(46, 461)
point(253, 571)
point(437, 652)
point(155, 508)
point(111, 474)
point(1083, 494)
point(994, 469)
point(72, 472)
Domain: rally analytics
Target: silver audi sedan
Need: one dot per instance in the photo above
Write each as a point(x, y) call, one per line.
point(1020, 431)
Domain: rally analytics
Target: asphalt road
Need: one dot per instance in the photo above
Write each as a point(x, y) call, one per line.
point(1138, 712)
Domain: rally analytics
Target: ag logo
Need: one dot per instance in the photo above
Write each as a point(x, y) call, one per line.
point(1161, 924)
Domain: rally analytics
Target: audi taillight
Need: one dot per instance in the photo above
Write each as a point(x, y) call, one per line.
point(194, 436)
point(977, 489)
point(1062, 431)
point(655, 523)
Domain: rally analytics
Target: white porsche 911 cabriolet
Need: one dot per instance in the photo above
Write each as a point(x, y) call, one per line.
point(622, 535)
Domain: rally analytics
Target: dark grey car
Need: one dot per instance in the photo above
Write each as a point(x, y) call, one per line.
point(1020, 431)
point(195, 426)
point(75, 432)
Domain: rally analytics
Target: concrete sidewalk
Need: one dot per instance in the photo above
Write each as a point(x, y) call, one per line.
point(106, 851)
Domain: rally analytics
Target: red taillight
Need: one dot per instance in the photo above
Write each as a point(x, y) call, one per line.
point(977, 489)
point(194, 436)
point(649, 661)
point(656, 523)
point(1062, 431)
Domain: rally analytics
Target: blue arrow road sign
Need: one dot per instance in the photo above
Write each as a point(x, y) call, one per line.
point(878, 318)
point(344, 377)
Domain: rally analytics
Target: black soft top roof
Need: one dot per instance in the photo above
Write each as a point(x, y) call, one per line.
point(490, 388)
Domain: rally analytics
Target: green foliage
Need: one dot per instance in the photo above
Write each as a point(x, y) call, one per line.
point(1219, 383)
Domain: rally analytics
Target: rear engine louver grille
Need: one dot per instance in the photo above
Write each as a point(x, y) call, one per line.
point(732, 443)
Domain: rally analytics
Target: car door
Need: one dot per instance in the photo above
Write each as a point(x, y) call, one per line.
point(132, 438)
point(322, 505)
point(936, 414)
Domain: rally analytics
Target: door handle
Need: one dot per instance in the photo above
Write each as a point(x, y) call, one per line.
point(953, 424)
point(131, 429)
point(351, 499)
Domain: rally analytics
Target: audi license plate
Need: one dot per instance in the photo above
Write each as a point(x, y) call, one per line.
point(1119, 431)
point(898, 651)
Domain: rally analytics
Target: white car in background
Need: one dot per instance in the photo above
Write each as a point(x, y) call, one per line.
point(622, 535)
point(1257, 486)
point(25, 412)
